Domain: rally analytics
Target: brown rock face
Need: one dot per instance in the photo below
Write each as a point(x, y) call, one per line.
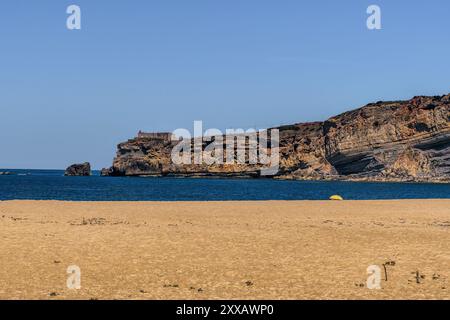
point(383, 141)
point(83, 169)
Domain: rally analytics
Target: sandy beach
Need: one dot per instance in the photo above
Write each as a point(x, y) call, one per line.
point(225, 250)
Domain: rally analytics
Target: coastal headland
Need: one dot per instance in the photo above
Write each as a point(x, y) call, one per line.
point(398, 141)
point(225, 250)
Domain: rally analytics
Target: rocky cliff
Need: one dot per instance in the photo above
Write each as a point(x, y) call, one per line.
point(383, 141)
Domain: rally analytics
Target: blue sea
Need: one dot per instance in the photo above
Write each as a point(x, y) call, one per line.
point(52, 185)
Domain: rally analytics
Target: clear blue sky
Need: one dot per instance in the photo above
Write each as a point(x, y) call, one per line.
point(71, 96)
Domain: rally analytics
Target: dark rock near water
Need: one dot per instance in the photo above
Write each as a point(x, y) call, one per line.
point(6, 173)
point(106, 172)
point(83, 169)
point(383, 141)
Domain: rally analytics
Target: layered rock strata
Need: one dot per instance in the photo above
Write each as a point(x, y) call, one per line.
point(383, 141)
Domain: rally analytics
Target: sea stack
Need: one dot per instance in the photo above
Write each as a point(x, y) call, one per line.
point(80, 170)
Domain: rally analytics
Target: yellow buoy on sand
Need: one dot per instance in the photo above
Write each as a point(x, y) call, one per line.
point(336, 197)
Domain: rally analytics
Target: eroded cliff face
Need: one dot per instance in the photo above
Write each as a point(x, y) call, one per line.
point(383, 141)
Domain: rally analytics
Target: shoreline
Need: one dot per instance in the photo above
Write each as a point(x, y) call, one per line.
point(130, 202)
point(224, 176)
point(224, 249)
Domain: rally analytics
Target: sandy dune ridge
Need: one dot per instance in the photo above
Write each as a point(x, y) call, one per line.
point(225, 250)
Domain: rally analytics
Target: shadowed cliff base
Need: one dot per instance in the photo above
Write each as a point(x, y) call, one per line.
point(397, 141)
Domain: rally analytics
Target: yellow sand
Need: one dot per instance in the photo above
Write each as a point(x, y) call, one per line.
point(225, 250)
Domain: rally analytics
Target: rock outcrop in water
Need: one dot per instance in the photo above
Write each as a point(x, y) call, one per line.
point(83, 169)
point(383, 141)
point(6, 173)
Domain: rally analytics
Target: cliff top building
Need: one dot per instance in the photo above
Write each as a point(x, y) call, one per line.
point(166, 136)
